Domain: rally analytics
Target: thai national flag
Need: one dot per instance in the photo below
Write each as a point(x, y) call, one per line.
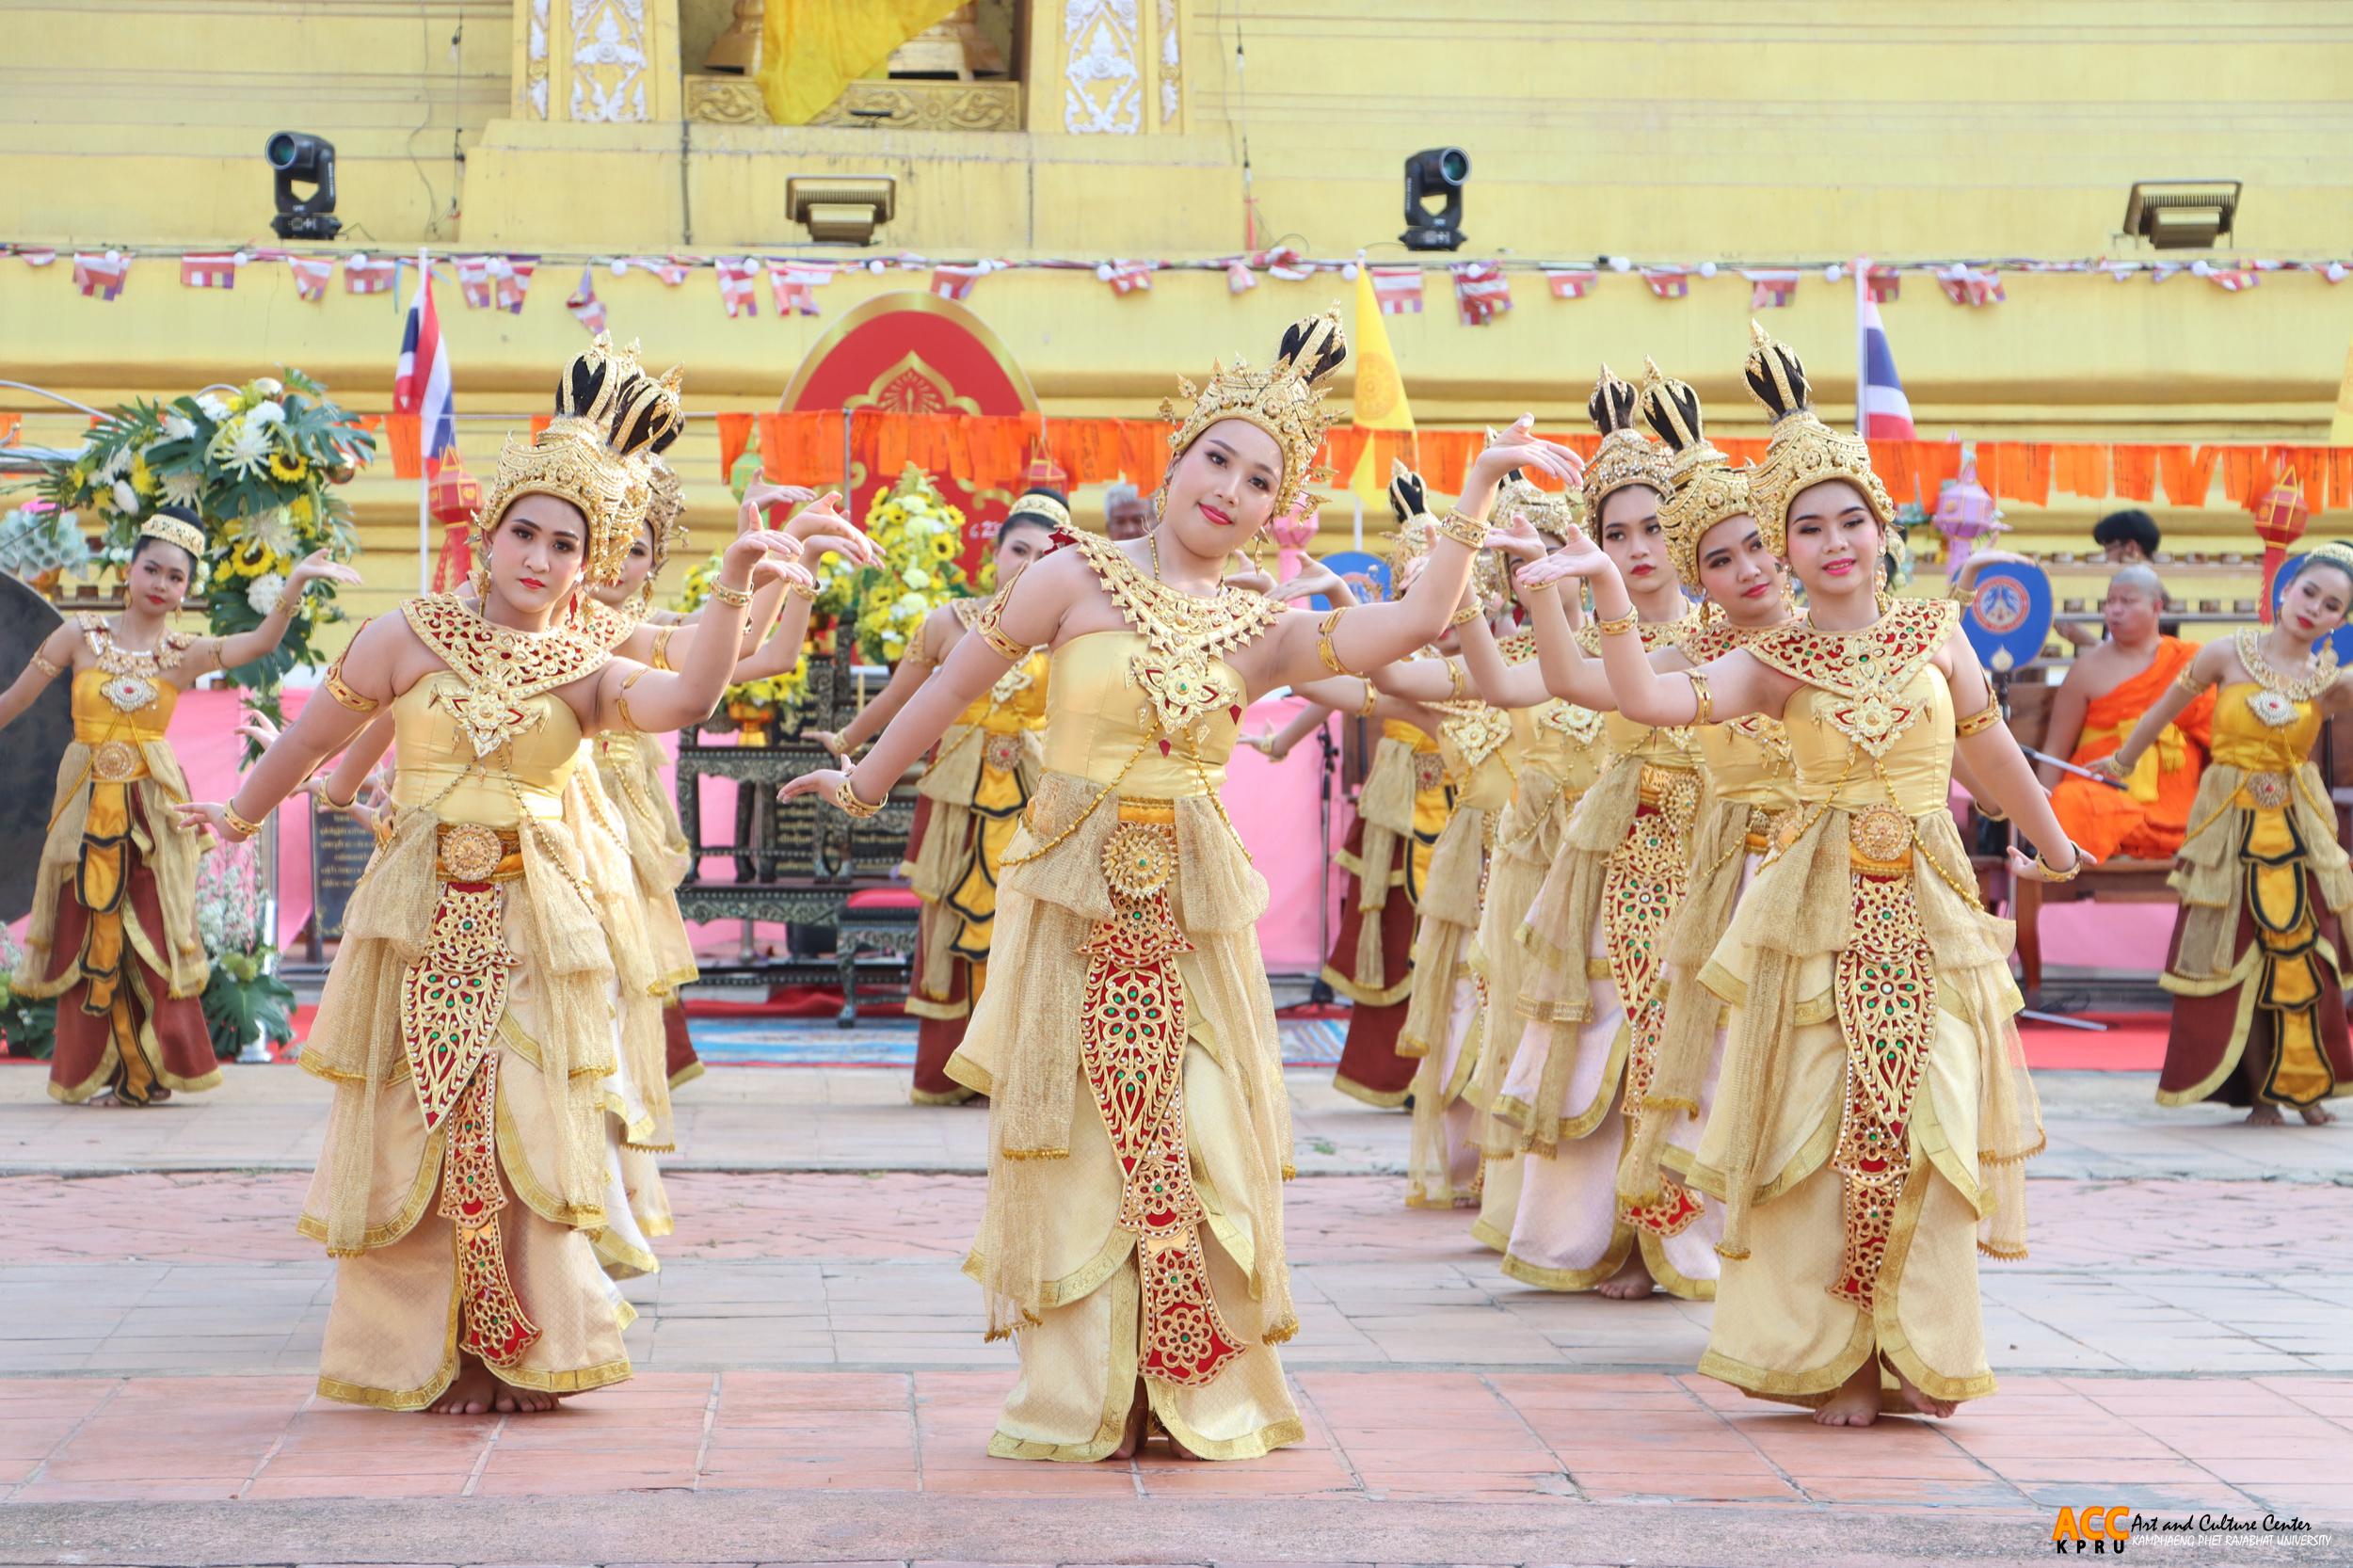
point(420, 384)
point(1886, 413)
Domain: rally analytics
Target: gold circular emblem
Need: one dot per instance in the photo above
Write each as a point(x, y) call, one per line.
point(1429, 771)
point(1138, 859)
point(115, 761)
point(1002, 752)
point(1882, 833)
point(471, 851)
point(2270, 792)
point(1680, 798)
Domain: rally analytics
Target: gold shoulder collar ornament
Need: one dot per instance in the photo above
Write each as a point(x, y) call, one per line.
point(1284, 400)
point(1623, 458)
point(1581, 725)
point(1704, 489)
point(1181, 671)
point(2300, 688)
point(498, 670)
point(1868, 668)
point(1476, 730)
point(1517, 649)
point(607, 626)
point(1802, 451)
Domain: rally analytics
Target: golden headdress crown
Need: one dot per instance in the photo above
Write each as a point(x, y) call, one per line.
point(1550, 513)
point(665, 489)
point(1284, 400)
point(1802, 451)
point(1623, 458)
point(2333, 552)
point(1706, 489)
point(1046, 505)
point(607, 412)
point(174, 528)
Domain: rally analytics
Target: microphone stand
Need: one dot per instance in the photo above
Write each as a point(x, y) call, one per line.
point(1320, 990)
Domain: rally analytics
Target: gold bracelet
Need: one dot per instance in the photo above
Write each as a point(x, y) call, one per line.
point(734, 599)
point(1372, 700)
point(1464, 615)
point(801, 590)
point(2052, 874)
point(244, 829)
point(1701, 696)
point(1979, 722)
point(1466, 531)
point(1625, 623)
point(1545, 587)
point(1324, 650)
point(847, 799)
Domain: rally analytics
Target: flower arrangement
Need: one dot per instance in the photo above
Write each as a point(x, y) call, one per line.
point(922, 537)
point(242, 998)
point(259, 466)
point(40, 545)
point(30, 1027)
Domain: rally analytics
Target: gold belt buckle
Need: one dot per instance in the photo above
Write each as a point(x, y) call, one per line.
point(471, 851)
point(117, 761)
point(2270, 792)
point(1139, 859)
point(1674, 790)
point(1880, 841)
point(1002, 752)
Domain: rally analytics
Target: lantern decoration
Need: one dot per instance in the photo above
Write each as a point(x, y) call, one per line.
point(1293, 531)
point(1043, 473)
point(1965, 513)
point(2279, 518)
point(453, 496)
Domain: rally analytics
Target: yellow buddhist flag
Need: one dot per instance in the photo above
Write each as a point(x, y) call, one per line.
point(1380, 401)
point(811, 50)
point(2341, 427)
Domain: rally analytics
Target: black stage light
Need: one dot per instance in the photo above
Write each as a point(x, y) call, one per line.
point(296, 155)
point(1434, 174)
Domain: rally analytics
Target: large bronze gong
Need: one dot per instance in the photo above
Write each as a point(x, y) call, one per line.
point(30, 748)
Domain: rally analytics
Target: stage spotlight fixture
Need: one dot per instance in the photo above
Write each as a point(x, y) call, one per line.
point(2182, 214)
point(1435, 174)
point(842, 209)
point(298, 157)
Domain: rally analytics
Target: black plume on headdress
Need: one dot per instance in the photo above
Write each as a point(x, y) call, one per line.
point(1671, 409)
point(640, 419)
point(1321, 340)
point(1777, 376)
point(1612, 405)
point(583, 380)
point(1408, 496)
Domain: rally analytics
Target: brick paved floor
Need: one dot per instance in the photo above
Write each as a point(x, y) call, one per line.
point(811, 1385)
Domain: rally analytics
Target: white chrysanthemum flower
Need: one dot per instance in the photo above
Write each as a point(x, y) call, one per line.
point(269, 413)
point(114, 467)
point(184, 488)
point(178, 427)
point(212, 408)
point(264, 592)
point(241, 446)
point(275, 529)
point(126, 499)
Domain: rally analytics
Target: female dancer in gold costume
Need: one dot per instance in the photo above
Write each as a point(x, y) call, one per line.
point(975, 786)
point(1873, 1113)
point(1138, 1126)
point(113, 931)
point(2259, 950)
point(469, 1018)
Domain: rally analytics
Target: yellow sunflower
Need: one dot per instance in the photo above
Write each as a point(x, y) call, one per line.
point(288, 468)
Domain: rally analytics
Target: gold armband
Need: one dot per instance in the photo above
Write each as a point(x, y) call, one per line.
point(41, 662)
point(1625, 623)
point(2189, 680)
point(1466, 531)
point(985, 626)
point(1455, 679)
point(661, 659)
point(847, 799)
point(1324, 650)
point(1979, 722)
point(620, 702)
point(1699, 696)
point(733, 598)
point(340, 689)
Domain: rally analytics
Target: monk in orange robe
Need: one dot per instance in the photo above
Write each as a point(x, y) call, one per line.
point(2096, 707)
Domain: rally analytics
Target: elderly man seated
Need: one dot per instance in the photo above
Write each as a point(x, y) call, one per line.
point(2104, 696)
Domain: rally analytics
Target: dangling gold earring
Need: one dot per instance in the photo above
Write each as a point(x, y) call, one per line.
point(479, 574)
point(1258, 551)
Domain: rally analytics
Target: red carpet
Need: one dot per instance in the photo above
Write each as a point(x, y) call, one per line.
point(2133, 1043)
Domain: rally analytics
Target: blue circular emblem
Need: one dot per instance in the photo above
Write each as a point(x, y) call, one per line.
point(1361, 570)
point(2009, 616)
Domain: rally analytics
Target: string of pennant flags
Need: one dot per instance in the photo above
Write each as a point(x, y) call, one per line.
point(1482, 289)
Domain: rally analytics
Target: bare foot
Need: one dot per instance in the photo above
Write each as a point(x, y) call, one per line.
point(1857, 1401)
point(2264, 1115)
point(1630, 1284)
point(512, 1401)
point(1924, 1403)
point(469, 1393)
point(2317, 1116)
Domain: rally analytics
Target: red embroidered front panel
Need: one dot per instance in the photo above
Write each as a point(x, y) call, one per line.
point(496, 1327)
point(1886, 995)
point(453, 996)
point(1132, 1050)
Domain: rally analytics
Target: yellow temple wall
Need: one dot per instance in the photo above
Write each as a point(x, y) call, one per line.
point(1709, 130)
